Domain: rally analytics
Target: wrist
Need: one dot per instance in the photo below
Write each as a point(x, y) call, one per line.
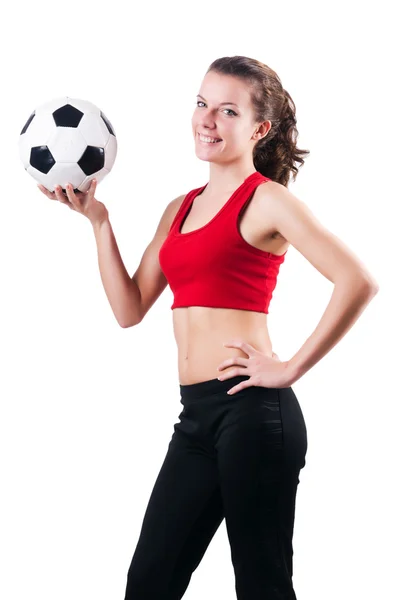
point(292, 372)
point(97, 224)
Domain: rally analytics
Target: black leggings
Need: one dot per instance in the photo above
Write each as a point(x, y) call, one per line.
point(236, 457)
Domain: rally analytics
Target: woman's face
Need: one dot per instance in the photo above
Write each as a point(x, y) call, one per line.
point(224, 111)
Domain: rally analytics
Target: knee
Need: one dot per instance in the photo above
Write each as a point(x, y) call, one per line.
point(144, 584)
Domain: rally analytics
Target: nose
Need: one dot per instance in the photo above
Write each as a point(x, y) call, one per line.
point(207, 120)
point(208, 125)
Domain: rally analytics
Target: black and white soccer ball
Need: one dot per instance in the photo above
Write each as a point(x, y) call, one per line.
point(67, 140)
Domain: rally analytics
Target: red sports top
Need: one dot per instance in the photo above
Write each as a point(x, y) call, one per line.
point(214, 266)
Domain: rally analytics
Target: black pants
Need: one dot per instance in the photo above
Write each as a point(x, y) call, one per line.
point(236, 457)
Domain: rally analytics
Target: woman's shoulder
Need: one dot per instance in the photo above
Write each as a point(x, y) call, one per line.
point(175, 205)
point(172, 210)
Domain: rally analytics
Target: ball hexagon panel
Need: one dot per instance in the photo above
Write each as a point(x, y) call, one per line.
point(67, 144)
point(94, 130)
point(110, 153)
point(60, 174)
point(83, 187)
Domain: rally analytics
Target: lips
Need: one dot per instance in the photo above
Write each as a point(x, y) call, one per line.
point(209, 136)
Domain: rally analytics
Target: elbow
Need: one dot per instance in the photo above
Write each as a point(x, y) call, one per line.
point(375, 289)
point(130, 319)
point(362, 282)
point(129, 323)
point(370, 288)
point(125, 325)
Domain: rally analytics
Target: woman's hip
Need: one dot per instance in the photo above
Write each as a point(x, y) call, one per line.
point(209, 415)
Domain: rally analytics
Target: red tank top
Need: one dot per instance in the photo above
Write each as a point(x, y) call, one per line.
point(214, 266)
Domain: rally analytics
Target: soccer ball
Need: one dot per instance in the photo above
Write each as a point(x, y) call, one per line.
point(67, 140)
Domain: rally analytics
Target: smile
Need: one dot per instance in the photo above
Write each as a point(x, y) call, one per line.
point(208, 140)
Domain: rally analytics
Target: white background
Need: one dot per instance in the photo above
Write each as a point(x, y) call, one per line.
point(87, 408)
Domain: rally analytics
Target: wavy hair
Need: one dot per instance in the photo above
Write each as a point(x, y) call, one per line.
point(274, 155)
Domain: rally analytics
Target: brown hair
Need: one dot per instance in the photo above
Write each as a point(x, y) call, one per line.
point(274, 155)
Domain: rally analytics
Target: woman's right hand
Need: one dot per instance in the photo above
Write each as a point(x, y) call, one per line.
point(82, 202)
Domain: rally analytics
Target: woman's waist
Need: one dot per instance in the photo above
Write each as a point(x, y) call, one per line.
point(193, 323)
point(200, 352)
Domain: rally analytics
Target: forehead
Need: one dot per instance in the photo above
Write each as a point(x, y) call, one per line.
point(217, 87)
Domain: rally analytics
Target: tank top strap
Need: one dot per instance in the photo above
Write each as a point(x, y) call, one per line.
point(244, 193)
point(232, 209)
point(232, 206)
point(184, 206)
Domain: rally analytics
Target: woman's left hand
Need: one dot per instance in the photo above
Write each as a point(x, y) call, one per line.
point(265, 371)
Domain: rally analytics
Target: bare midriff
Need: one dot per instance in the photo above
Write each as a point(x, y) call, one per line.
point(201, 331)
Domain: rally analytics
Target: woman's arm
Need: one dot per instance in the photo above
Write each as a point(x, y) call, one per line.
point(349, 298)
point(354, 286)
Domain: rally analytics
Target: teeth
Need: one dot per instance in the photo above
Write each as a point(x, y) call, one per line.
point(208, 139)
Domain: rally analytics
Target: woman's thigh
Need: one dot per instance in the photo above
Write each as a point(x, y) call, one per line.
point(260, 452)
point(183, 513)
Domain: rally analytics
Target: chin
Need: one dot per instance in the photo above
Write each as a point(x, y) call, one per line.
point(204, 159)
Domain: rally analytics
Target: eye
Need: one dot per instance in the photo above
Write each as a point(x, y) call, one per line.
point(229, 109)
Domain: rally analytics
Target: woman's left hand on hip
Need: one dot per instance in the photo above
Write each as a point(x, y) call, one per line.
point(264, 371)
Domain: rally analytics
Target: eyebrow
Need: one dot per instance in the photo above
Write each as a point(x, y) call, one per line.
point(234, 104)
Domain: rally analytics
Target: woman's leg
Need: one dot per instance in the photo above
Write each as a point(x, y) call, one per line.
point(261, 450)
point(182, 516)
point(195, 546)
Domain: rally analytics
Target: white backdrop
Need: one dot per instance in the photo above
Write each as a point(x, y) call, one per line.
point(87, 408)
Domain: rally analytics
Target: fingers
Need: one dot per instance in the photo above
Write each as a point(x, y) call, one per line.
point(56, 195)
point(71, 195)
point(61, 196)
point(70, 199)
point(91, 189)
point(46, 192)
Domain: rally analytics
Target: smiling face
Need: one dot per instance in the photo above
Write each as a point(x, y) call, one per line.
point(224, 111)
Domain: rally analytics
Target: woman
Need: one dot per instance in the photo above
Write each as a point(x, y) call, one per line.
point(240, 443)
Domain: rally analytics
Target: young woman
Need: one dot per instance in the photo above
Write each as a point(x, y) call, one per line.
point(241, 440)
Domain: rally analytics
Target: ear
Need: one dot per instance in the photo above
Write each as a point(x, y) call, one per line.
point(263, 130)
